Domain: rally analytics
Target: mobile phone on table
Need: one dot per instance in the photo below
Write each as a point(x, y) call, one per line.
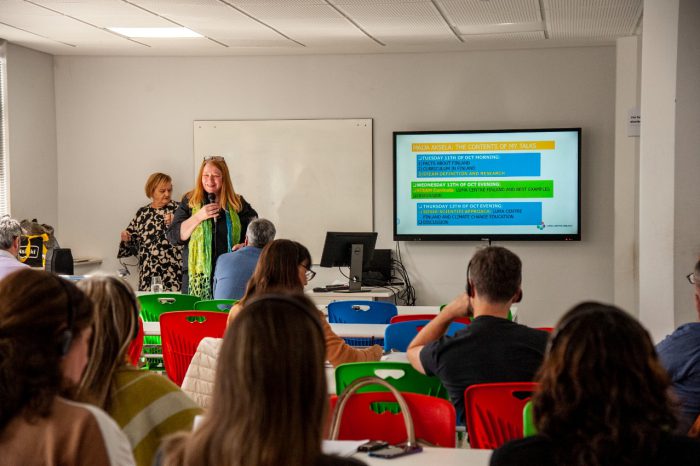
point(373, 445)
point(395, 452)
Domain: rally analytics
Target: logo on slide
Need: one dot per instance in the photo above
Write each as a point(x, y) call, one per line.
point(541, 226)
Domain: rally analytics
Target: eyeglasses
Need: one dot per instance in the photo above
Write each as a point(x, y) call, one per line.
point(692, 279)
point(214, 158)
point(310, 274)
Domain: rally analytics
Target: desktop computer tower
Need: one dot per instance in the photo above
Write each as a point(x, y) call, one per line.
point(378, 271)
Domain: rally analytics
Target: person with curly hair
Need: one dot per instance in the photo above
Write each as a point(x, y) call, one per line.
point(603, 399)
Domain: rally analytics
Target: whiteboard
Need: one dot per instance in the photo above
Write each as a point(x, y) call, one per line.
point(306, 176)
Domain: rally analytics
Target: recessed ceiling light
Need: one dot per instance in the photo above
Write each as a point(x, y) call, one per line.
point(155, 32)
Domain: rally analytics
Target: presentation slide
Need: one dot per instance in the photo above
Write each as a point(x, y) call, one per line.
point(486, 184)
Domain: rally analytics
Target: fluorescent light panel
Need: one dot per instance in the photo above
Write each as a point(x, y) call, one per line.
point(155, 32)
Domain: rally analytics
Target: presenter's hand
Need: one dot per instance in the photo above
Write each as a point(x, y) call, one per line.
point(125, 236)
point(459, 307)
point(207, 212)
point(168, 219)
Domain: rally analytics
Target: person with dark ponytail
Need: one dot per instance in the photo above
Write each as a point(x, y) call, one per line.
point(603, 399)
point(45, 333)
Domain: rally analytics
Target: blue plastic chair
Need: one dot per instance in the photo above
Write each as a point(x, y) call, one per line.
point(398, 336)
point(361, 312)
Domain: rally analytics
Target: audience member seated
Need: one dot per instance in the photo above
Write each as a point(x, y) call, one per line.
point(270, 392)
point(680, 355)
point(10, 234)
point(492, 348)
point(234, 269)
point(45, 330)
point(603, 399)
point(285, 266)
point(146, 405)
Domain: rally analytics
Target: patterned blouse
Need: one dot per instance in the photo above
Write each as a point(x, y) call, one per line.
point(156, 255)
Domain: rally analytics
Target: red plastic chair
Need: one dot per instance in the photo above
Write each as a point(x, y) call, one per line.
point(546, 329)
point(181, 332)
point(136, 346)
point(409, 317)
point(494, 412)
point(433, 418)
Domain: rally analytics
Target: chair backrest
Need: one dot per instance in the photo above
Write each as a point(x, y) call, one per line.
point(181, 332)
point(398, 336)
point(410, 317)
point(546, 329)
point(220, 305)
point(361, 312)
point(153, 305)
point(376, 416)
point(136, 346)
point(494, 412)
point(529, 428)
point(400, 375)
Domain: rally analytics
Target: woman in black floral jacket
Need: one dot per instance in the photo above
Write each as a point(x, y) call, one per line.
point(145, 237)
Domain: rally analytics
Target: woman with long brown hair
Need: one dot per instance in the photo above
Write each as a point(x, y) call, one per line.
point(210, 221)
point(603, 398)
point(270, 394)
point(284, 266)
point(146, 405)
point(45, 333)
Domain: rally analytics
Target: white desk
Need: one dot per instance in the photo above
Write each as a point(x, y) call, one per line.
point(375, 294)
point(342, 330)
point(434, 456)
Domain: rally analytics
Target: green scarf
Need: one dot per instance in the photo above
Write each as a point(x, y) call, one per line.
point(199, 258)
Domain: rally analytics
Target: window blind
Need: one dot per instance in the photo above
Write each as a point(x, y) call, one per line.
point(4, 165)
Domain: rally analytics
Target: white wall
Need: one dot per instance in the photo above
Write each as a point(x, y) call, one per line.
point(687, 220)
point(121, 118)
point(32, 135)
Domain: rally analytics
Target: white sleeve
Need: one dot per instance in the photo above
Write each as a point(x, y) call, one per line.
point(116, 443)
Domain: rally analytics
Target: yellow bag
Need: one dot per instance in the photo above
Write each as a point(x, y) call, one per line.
point(32, 250)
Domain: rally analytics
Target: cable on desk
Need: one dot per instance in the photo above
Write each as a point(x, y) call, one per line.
point(408, 294)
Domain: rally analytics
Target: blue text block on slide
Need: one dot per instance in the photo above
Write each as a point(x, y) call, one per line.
point(477, 165)
point(479, 213)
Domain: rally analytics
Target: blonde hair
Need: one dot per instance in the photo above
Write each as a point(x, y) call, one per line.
point(227, 195)
point(154, 181)
point(115, 326)
point(270, 384)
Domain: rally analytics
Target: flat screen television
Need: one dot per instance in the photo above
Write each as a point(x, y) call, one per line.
point(488, 185)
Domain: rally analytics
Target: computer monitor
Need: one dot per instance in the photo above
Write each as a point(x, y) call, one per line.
point(349, 249)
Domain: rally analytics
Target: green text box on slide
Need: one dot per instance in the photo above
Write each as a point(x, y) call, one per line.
point(482, 189)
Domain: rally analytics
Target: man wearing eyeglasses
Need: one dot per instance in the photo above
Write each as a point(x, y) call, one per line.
point(680, 354)
point(234, 269)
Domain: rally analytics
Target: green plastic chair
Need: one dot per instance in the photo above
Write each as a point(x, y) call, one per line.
point(410, 381)
point(219, 305)
point(529, 428)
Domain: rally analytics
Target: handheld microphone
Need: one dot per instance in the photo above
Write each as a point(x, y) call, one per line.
point(212, 200)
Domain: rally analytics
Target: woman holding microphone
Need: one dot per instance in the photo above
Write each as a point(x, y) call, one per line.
point(210, 221)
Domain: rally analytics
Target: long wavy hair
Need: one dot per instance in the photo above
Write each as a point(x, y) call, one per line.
point(34, 310)
point(116, 325)
point(270, 385)
point(227, 194)
point(278, 269)
point(604, 397)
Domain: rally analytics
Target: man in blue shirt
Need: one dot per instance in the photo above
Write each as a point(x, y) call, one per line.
point(10, 233)
point(680, 355)
point(234, 269)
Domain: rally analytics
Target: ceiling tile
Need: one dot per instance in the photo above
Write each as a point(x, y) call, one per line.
point(395, 23)
point(596, 19)
point(509, 36)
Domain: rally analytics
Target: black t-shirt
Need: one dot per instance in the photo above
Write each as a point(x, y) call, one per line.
point(328, 460)
point(489, 350)
point(537, 451)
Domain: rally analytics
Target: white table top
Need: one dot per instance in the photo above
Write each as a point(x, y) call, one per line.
point(434, 456)
point(342, 330)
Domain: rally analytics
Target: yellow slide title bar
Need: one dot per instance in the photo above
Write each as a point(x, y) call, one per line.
point(481, 146)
